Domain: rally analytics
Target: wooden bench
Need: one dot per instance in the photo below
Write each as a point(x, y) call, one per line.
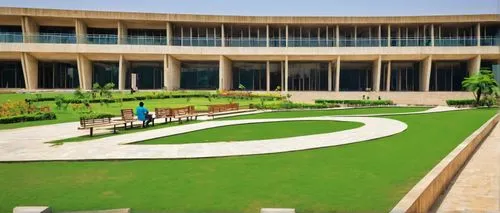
point(97, 123)
point(163, 113)
point(219, 109)
point(184, 112)
point(128, 117)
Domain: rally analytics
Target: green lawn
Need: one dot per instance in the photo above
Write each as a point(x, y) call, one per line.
point(361, 177)
point(259, 131)
point(315, 113)
point(68, 115)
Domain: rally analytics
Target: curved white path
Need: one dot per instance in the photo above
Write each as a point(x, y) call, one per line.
point(117, 147)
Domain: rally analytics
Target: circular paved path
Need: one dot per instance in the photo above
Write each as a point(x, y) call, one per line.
point(119, 147)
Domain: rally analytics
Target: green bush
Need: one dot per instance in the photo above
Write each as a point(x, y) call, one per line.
point(356, 102)
point(464, 102)
point(291, 105)
point(28, 117)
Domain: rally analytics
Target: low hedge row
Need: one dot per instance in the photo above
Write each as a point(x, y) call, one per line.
point(464, 102)
point(290, 105)
point(28, 117)
point(140, 98)
point(356, 102)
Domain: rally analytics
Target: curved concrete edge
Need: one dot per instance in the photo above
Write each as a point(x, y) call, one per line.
point(424, 194)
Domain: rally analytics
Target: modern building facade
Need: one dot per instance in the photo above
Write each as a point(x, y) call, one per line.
point(420, 59)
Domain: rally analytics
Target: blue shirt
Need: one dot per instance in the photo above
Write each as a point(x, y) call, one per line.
point(141, 113)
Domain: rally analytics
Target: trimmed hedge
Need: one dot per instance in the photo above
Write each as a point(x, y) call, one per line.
point(464, 102)
point(356, 102)
point(290, 105)
point(28, 117)
point(96, 116)
point(145, 97)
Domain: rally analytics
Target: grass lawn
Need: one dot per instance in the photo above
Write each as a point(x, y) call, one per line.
point(360, 177)
point(68, 115)
point(310, 113)
point(314, 113)
point(258, 131)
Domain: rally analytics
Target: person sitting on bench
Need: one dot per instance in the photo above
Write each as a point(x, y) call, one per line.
point(143, 115)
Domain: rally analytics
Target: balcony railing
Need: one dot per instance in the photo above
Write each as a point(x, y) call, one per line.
point(456, 42)
point(52, 38)
point(11, 37)
point(146, 40)
point(100, 39)
point(410, 42)
point(202, 42)
point(363, 42)
point(246, 42)
point(276, 42)
point(313, 42)
point(490, 41)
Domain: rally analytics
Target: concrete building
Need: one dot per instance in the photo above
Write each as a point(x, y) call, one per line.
point(417, 60)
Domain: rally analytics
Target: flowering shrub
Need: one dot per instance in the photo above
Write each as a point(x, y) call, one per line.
point(13, 108)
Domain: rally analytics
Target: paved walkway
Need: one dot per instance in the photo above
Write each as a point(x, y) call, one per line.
point(114, 147)
point(477, 187)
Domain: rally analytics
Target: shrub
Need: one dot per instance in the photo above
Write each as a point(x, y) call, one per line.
point(14, 108)
point(366, 102)
point(464, 102)
point(291, 105)
point(28, 117)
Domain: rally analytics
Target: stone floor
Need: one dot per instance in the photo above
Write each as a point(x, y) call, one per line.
point(477, 187)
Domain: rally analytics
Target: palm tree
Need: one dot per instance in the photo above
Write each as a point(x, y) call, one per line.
point(481, 83)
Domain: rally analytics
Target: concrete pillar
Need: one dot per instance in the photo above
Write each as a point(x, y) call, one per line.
point(30, 28)
point(432, 37)
point(170, 33)
point(267, 36)
point(268, 76)
point(286, 41)
point(337, 35)
point(172, 75)
point(122, 33)
point(426, 66)
point(286, 72)
point(329, 76)
point(474, 65)
point(388, 77)
point(81, 31)
point(30, 71)
point(478, 34)
point(379, 35)
point(388, 35)
point(337, 75)
point(222, 36)
point(377, 66)
point(122, 72)
point(225, 73)
point(84, 66)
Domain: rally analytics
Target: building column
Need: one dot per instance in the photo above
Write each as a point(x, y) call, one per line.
point(225, 73)
point(329, 76)
point(172, 73)
point(432, 37)
point(81, 31)
point(388, 77)
point(169, 34)
point(337, 36)
point(474, 65)
point(30, 71)
point(377, 66)
point(84, 66)
point(122, 33)
point(286, 73)
point(222, 36)
point(388, 35)
point(337, 75)
point(286, 39)
point(268, 76)
point(30, 28)
point(267, 36)
point(426, 67)
point(478, 34)
point(122, 72)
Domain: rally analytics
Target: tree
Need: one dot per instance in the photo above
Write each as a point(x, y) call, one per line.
point(481, 84)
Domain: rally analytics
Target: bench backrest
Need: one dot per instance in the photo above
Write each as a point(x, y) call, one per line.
point(163, 112)
point(222, 107)
point(127, 114)
point(189, 110)
point(94, 121)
